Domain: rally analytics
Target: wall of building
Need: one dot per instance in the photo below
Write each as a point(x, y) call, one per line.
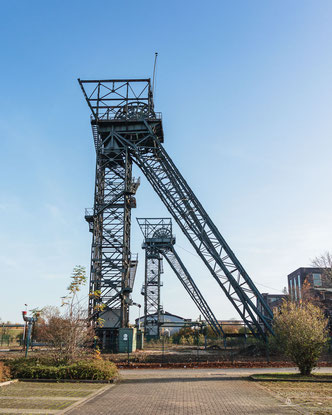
point(166, 318)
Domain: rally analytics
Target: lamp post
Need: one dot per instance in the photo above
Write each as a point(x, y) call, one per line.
point(139, 314)
point(25, 327)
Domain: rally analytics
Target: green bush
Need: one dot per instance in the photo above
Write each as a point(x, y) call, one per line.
point(97, 369)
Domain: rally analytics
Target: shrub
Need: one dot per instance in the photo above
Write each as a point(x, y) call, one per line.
point(182, 340)
point(4, 372)
point(301, 332)
point(254, 347)
point(190, 340)
point(94, 369)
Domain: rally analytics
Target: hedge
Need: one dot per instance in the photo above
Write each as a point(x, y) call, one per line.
point(97, 369)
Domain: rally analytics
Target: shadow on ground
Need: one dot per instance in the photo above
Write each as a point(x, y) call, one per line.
point(185, 379)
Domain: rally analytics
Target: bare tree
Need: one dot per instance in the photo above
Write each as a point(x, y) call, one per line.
point(324, 262)
point(69, 332)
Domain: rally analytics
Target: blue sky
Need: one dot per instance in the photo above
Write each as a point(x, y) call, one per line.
point(245, 91)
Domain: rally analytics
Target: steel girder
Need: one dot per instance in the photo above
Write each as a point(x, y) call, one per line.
point(187, 211)
point(204, 236)
point(188, 283)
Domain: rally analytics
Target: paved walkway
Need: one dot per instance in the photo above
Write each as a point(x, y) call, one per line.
point(184, 392)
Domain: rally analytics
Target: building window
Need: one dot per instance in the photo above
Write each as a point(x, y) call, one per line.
point(295, 289)
point(299, 285)
point(291, 289)
point(317, 280)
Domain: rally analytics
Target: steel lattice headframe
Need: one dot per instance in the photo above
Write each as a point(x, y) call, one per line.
point(125, 123)
point(158, 239)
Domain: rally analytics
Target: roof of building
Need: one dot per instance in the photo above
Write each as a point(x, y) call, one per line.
point(307, 270)
point(274, 295)
point(166, 313)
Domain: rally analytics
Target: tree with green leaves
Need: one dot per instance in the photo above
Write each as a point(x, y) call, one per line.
point(301, 333)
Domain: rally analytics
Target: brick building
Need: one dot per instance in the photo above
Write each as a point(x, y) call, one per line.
point(314, 284)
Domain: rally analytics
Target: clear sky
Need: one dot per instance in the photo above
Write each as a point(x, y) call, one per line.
point(245, 92)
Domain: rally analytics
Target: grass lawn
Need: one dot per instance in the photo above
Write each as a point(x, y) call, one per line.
point(316, 377)
point(315, 398)
point(46, 398)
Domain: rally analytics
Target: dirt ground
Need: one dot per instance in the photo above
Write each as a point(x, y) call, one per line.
point(182, 356)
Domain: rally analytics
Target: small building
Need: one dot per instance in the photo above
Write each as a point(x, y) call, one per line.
point(175, 323)
point(274, 301)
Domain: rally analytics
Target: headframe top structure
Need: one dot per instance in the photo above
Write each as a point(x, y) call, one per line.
point(156, 229)
point(119, 99)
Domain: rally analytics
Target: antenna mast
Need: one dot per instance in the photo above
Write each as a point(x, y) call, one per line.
point(154, 72)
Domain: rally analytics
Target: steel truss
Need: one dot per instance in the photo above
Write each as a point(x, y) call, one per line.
point(155, 232)
point(113, 267)
point(112, 276)
point(203, 234)
point(188, 283)
point(160, 240)
point(139, 129)
point(151, 292)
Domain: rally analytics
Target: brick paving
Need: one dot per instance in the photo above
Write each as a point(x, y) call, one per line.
point(184, 392)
